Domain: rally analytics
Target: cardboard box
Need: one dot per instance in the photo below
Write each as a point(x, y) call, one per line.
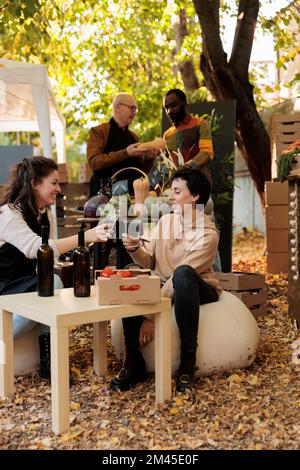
point(241, 281)
point(277, 241)
point(277, 263)
point(117, 290)
point(277, 217)
point(277, 193)
point(252, 298)
point(260, 311)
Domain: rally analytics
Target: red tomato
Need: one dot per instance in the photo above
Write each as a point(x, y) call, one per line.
point(107, 272)
point(104, 274)
point(131, 287)
point(124, 273)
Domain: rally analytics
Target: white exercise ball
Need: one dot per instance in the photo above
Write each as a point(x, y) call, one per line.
point(228, 337)
point(26, 353)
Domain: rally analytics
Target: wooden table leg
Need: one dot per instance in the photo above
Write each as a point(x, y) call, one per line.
point(6, 354)
point(163, 356)
point(100, 347)
point(59, 338)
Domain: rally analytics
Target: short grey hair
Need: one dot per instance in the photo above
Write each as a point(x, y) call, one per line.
point(119, 97)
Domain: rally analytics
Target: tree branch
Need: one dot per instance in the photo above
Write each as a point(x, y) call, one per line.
point(208, 14)
point(243, 38)
point(4, 6)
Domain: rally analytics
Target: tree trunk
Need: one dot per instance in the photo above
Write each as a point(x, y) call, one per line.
point(229, 80)
point(186, 67)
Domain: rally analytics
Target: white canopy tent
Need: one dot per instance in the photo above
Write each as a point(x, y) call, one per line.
point(27, 103)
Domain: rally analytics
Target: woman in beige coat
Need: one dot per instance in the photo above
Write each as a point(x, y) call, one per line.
point(182, 252)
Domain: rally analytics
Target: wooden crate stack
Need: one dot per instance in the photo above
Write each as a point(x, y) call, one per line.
point(277, 221)
point(284, 130)
point(249, 287)
point(69, 207)
point(64, 172)
point(84, 173)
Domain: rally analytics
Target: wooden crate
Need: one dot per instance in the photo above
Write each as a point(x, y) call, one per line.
point(249, 288)
point(241, 281)
point(64, 172)
point(284, 130)
point(84, 173)
point(277, 240)
point(277, 217)
point(277, 262)
point(277, 193)
point(69, 207)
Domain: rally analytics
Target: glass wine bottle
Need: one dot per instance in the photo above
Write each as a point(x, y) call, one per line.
point(45, 266)
point(81, 269)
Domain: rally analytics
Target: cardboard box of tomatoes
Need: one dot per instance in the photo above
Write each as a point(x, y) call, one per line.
point(126, 286)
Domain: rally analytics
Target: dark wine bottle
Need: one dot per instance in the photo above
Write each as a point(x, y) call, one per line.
point(45, 266)
point(81, 269)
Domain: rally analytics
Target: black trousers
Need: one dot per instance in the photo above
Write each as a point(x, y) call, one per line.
point(190, 291)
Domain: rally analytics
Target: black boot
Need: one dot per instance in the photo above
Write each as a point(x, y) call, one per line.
point(45, 358)
point(133, 372)
point(186, 372)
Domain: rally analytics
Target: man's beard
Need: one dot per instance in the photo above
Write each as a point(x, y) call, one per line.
point(178, 117)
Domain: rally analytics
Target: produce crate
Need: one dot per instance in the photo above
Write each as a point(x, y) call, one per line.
point(241, 281)
point(277, 217)
point(295, 168)
point(277, 193)
point(284, 130)
point(277, 240)
point(248, 287)
point(141, 288)
point(277, 263)
point(277, 222)
point(252, 298)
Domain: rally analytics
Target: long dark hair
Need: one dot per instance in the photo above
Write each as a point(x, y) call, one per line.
point(19, 192)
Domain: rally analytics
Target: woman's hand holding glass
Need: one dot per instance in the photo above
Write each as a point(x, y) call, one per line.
point(130, 243)
point(100, 233)
point(104, 231)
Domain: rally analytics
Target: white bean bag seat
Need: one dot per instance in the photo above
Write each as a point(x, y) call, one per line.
point(26, 352)
point(228, 337)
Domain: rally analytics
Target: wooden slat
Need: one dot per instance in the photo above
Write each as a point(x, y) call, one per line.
point(286, 127)
point(75, 195)
point(75, 188)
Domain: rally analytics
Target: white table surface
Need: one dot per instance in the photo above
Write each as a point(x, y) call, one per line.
point(64, 310)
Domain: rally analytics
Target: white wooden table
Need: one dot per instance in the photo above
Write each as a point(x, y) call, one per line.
point(62, 311)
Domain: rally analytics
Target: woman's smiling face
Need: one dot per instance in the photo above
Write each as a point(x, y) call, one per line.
point(47, 189)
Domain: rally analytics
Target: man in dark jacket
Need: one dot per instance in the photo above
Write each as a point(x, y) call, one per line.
point(112, 146)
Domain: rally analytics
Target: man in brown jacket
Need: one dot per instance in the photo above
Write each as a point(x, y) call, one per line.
point(112, 146)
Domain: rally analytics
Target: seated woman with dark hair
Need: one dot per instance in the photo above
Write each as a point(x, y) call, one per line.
point(31, 189)
point(182, 252)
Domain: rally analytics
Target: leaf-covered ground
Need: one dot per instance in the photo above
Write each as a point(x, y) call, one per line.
point(257, 408)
